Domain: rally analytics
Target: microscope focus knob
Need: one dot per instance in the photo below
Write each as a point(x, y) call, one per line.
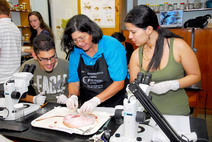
point(15, 95)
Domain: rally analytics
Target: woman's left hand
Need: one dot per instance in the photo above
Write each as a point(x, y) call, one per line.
point(89, 106)
point(165, 86)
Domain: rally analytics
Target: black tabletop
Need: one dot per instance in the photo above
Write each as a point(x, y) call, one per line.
point(198, 125)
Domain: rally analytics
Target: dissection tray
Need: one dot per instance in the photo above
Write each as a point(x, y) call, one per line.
point(54, 120)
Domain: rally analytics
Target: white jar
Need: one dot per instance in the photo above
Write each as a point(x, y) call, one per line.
point(182, 6)
point(175, 7)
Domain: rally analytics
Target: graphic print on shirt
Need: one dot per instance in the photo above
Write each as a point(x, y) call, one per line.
point(52, 84)
point(92, 80)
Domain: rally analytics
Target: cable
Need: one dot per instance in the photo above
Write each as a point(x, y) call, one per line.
point(202, 139)
point(130, 98)
point(3, 118)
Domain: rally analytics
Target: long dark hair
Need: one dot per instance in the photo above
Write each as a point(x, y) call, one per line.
point(79, 23)
point(43, 25)
point(142, 16)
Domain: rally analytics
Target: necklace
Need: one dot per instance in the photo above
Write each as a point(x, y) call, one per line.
point(146, 58)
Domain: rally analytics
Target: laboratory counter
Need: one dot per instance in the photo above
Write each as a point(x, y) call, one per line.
point(197, 125)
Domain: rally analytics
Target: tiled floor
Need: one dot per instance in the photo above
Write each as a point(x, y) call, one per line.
point(209, 124)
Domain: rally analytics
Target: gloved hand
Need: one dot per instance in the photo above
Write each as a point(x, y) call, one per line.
point(39, 99)
point(90, 105)
point(72, 102)
point(61, 99)
point(165, 86)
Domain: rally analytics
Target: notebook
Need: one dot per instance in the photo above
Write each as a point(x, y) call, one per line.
point(171, 18)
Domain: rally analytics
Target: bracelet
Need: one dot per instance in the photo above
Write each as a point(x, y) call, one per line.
point(71, 95)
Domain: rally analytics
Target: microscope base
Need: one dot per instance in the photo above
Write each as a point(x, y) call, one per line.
point(145, 134)
point(30, 108)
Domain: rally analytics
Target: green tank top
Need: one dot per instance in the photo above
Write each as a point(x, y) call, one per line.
point(172, 102)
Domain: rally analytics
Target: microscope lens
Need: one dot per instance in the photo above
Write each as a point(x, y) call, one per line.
point(26, 68)
point(140, 76)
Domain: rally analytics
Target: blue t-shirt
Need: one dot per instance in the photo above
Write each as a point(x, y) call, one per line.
point(114, 54)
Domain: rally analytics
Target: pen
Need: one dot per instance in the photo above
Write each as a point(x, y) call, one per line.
point(44, 104)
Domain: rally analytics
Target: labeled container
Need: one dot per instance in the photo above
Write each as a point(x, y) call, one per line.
point(152, 7)
point(197, 4)
point(24, 6)
point(147, 4)
point(170, 7)
point(161, 7)
point(209, 23)
point(175, 6)
point(190, 5)
point(166, 6)
point(26, 37)
point(156, 8)
point(182, 6)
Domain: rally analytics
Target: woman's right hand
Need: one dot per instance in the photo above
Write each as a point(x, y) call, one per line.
point(72, 102)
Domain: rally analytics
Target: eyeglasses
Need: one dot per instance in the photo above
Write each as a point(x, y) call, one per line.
point(45, 60)
point(80, 39)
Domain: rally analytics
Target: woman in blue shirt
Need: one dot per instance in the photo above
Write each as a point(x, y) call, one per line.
point(97, 65)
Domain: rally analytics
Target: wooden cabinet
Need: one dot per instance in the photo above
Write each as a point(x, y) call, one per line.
point(23, 23)
point(202, 42)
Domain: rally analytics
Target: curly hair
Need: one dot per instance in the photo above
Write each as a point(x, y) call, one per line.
point(80, 23)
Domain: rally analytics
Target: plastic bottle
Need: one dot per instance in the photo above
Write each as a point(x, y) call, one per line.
point(166, 6)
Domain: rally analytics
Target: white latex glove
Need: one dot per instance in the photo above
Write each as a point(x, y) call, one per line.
point(165, 86)
point(61, 99)
point(25, 47)
point(90, 105)
point(39, 99)
point(72, 102)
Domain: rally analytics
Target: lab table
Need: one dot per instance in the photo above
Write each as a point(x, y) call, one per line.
point(32, 134)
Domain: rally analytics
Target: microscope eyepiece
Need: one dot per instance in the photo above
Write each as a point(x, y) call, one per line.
point(29, 68)
point(32, 68)
point(26, 68)
point(140, 76)
point(147, 78)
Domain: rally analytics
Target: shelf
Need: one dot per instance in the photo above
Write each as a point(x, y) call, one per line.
point(23, 26)
point(201, 9)
point(28, 11)
point(192, 10)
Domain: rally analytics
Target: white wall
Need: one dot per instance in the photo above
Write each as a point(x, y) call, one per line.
point(58, 9)
point(61, 9)
point(42, 7)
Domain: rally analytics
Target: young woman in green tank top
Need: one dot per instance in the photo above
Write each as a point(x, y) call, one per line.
point(167, 56)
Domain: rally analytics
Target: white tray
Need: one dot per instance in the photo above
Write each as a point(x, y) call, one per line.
point(56, 123)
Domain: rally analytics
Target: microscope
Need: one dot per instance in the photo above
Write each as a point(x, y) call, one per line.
point(15, 89)
point(137, 104)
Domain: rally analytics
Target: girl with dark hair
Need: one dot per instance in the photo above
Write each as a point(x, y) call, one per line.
point(167, 56)
point(37, 25)
point(97, 65)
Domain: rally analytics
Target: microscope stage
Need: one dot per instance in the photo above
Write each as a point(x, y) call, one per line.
point(30, 108)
